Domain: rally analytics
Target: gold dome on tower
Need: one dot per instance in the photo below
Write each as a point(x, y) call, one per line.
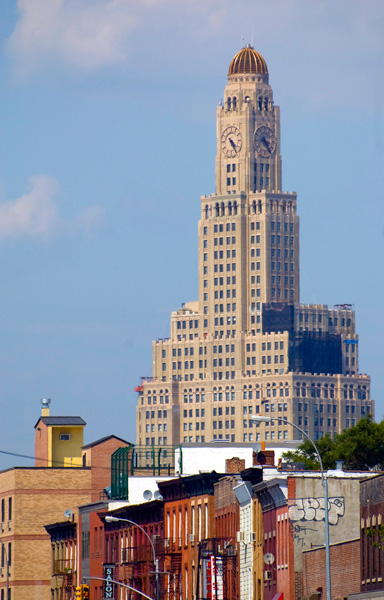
point(247, 61)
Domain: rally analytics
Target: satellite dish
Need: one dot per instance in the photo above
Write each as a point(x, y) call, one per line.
point(269, 559)
point(157, 495)
point(68, 514)
point(256, 447)
point(147, 495)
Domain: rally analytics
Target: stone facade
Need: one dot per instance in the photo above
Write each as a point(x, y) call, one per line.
point(247, 345)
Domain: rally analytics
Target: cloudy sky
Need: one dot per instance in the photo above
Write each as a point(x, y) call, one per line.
point(107, 142)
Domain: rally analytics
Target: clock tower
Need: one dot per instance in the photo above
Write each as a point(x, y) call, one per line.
point(248, 346)
point(248, 129)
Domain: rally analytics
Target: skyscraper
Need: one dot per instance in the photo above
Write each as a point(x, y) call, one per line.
point(247, 345)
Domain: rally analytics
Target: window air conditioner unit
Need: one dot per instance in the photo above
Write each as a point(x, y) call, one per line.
point(240, 536)
point(1, 526)
point(9, 525)
point(1, 572)
point(166, 543)
point(192, 538)
point(253, 536)
point(267, 575)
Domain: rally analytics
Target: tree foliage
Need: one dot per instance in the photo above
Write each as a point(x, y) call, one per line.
point(361, 448)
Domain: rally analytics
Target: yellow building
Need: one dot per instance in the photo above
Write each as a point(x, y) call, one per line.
point(247, 345)
point(58, 440)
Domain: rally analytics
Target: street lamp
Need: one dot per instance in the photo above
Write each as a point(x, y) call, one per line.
point(4, 553)
point(262, 419)
point(111, 519)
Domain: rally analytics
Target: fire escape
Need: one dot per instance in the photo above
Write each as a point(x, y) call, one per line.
point(65, 576)
point(172, 582)
point(137, 570)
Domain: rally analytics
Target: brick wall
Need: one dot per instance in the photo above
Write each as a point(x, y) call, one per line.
point(345, 569)
point(234, 465)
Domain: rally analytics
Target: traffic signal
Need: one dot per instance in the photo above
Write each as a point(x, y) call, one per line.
point(82, 592)
point(79, 592)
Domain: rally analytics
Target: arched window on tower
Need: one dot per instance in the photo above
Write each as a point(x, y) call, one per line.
point(222, 209)
point(229, 207)
point(234, 101)
point(265, 103)
point(260, 103)
point(235, 208)
point(260, 207)
point(217, 208)
point(254, 207)
point(228, 103)
point(206, 211)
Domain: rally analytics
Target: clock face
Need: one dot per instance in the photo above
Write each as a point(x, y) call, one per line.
point(264, 141)
point(231, 141)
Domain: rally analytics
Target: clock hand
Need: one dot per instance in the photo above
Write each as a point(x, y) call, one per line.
point(232, 143)
point(265, 143)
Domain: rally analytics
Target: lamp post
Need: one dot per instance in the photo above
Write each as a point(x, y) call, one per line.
point(124, 585)
point(262, 419)
point(4, 553)
point(111, 519)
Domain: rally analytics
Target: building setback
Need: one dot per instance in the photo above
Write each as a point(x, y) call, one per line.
point(247, 345)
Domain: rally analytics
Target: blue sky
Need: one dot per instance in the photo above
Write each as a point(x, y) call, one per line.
point(107, 142)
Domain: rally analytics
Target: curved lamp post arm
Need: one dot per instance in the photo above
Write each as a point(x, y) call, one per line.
point(112, 519)
point(124, 585)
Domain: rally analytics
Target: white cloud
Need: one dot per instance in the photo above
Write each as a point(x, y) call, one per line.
point(36, 213)
point(84, 33)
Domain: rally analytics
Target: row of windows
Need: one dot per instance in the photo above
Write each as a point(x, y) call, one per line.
point(219, 362)
point(220, 375)
point(220, 281)
point(276, 239)
point(199, 412)
point(277, 252)
point(162, 399)
point(277, 293)
point(198, 426)
point(150, 414)
point(219, 268)
point(277, 266)
point(218, 411)
point(250, 437)
point(275, 226)
point(219, 425)
point(192, 324)
point(219, 254)
point(161, 441)
point(277, 279)
point(187, 365)
point(160, 427)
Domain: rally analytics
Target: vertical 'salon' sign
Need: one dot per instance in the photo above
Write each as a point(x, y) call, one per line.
point(109, 586)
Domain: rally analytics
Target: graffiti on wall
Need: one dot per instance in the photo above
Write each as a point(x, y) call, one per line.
point(312, 509)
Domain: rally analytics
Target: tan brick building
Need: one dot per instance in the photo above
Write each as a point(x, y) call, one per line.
point(248, 345)
point(38, 496)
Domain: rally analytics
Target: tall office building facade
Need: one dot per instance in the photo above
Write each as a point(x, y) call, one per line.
point(247, 345)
